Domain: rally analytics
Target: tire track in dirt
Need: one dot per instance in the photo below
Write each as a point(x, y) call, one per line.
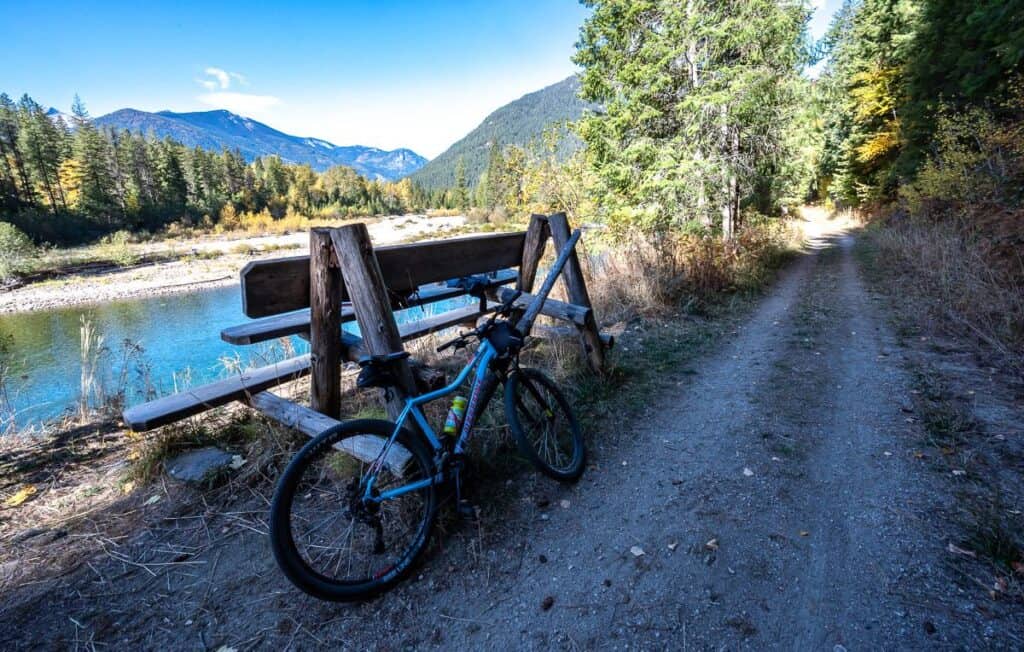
point(761, 494)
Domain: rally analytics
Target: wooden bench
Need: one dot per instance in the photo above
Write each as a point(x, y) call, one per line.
point(297, 323)
point(309, 296)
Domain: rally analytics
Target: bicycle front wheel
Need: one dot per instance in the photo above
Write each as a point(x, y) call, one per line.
point(330, 541)
point(544, 426)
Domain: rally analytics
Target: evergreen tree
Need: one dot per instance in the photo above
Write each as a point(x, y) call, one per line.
point(12, 163)
point(91, 153)
point(42, 142)
point(461, 188)
point(964, 54)
point(697, 97)
point(494, 176)
point(173, 186)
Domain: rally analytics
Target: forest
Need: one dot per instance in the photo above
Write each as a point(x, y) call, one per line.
point(703, 116)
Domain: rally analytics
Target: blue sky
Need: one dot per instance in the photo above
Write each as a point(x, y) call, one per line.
point(407, 73)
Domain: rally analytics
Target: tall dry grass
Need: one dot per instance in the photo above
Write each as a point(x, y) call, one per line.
point(91, 392)
point(649, 276)
point(966, 276)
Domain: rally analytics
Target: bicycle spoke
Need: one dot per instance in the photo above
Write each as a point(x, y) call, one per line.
point(545, 428)
point(337, 534)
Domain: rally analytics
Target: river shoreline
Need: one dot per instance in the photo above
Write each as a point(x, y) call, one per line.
point(196, 272)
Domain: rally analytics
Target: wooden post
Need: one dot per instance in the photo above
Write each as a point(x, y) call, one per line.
point(533, 249)
point(576, 289)
point(324, 325)
point(365, 286)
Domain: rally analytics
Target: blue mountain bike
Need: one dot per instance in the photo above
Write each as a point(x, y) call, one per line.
point(344, 529)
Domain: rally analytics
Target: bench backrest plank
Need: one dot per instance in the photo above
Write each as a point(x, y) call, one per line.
point(271, 287)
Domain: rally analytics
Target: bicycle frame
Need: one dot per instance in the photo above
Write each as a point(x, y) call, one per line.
point(482, 358)
point(481, 361)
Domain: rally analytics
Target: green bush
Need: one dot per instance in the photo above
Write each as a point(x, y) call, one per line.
point(117, 247)
point(16, 252)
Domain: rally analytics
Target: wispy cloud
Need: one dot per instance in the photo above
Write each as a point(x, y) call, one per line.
point(220, 78)
point(217, 84)
point(243, 103)
point(223, 77)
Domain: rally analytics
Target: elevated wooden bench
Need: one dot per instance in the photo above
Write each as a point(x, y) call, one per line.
point(308, 296)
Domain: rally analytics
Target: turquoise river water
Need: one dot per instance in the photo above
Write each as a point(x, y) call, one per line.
point(179, 336)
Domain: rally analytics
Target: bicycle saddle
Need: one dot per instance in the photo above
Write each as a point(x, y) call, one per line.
point(376, 369)
point(382, 359)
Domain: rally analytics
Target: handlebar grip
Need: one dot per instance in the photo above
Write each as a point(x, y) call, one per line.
point(446, 345)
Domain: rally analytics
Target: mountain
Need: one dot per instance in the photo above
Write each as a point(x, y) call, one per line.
point(219, 129)
point(516, 123)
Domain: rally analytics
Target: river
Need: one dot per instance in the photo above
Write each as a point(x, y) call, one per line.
point(179, 336)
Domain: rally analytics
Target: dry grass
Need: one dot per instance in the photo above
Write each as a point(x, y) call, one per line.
point(965, 271)
point(653, 276)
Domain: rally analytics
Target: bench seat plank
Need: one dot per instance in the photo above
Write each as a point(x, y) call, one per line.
point(297, 323)
point(175, 407)
point(271, 328)
point(299, 417)
point(428, 325)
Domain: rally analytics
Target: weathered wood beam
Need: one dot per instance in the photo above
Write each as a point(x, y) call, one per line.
point(365, 285)
point(272, 287)
point(270, 328)
point(324, 324)
point(551, 308)
point(184, 404)
point(576, 290)
point(365, 448)
point(533, 250)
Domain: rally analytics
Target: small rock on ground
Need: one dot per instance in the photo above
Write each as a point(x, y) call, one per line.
point(199, 466)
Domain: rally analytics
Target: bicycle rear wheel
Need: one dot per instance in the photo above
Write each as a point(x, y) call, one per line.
point(330, 542)
point(544, 426)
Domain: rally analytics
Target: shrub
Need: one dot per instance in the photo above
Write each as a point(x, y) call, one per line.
point(476, 215)
point(965, 271)
point(977, 159)
point(685, 269)
point(117, 247)
point(18, 252)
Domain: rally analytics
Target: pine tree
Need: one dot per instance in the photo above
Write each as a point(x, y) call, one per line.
point(43, 144)
point(964, 54)
point(91, 153)
point(12, 162)
point(173, 187)
point(461, 188)
point(494, 176)
point(697, 97)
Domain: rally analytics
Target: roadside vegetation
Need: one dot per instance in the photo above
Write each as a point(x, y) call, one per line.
point(924, 137)
point(924, 134)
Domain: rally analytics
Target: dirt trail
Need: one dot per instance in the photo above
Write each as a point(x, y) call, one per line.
point(772, 500)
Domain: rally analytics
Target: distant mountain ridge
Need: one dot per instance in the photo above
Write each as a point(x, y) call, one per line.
point(215, 130)
point(517, 123)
